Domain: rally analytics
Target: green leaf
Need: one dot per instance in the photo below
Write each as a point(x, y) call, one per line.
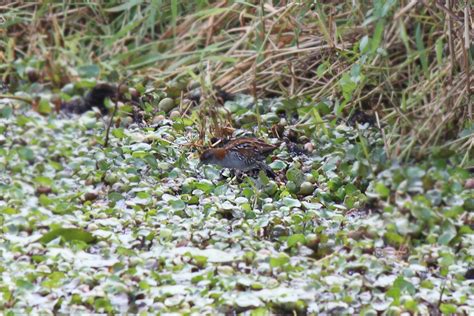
point(277, 165)
point(382, 190)
point(200, 260)
point(420, 46)
point(118, 132)
point(9, 211)
point(43, 180)
point(204, 185)
point(177, 204)
point(364, 44)
point(319, 123)
point(291, 202)
point(68, 234)
point(449, 232)
point(24, 284)
point(89, 71)
point(63, 208)
point(404, 37)
point(394, 292)
point(124, 30)
point(295, 239)
point(279, 261)
point(378, 34)
point(22, 120)
point(127, 5)
point(174, 14)
point(45, 200)
point(439, 51)
point(261, 311)
point(448, 309)
point(422, 212)
point(26, 153)
point(6, 111)
point(44, 107)
point(404, 285)
point(393, 239)
point(54, 280)
point(447, 259)
point(321, 69)
point(323, 108)
point(85, 83)
point(115, 196)
point(348, 86)
point(295, 175)
point(400, 285)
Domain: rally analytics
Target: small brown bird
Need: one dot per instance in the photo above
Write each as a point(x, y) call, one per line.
point(241, 154)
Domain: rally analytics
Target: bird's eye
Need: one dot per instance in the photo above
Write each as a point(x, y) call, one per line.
point(205, 156)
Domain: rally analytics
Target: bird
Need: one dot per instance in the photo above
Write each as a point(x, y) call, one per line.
point(242, 154)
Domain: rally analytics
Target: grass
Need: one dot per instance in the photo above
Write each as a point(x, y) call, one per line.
point(407, 62)
point(110, 215)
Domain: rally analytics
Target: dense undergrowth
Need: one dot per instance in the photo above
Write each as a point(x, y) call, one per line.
point(406, 62)
point(371, 210)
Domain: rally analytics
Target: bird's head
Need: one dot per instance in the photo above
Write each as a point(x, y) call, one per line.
point(211, 156)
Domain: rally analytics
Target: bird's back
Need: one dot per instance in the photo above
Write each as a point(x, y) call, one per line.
point(251, 147)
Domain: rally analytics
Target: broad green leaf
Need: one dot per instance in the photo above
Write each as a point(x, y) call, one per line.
point(26, 153)
point(6, 111)
point(295, 175)
point(448, 309)
point(68, 234)
point(277, 165)
point(448, 233)
point(382, 190)
point(177, 204)
point(291, 202)
point(279, 261)
point(118, 132)
point(44, 107)
point(205, 185)
point(294, 239)
point(43, 180)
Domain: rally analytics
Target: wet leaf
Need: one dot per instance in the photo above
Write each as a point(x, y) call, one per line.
point(68, 234)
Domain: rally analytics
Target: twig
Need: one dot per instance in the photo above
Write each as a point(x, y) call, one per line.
point(15, 97)
point(111, 121)
point(405, 9)
point(441, 294)
point(452, 54)
point(447, 9)
point(385, 143)
point(466, 56)
point(450, 38)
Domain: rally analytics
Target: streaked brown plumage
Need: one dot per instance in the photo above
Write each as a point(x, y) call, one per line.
point(244, 154)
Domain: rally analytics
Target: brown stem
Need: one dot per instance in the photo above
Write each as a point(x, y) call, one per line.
point(452, 54)
point(15, 97)
point(466, 56)
point(111, 122)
